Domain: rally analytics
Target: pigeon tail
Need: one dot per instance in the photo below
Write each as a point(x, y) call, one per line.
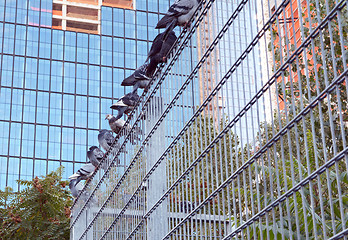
point(129, 81)
point(169, 28)
point(74, 176)
point(163, 23)
point(119, 114)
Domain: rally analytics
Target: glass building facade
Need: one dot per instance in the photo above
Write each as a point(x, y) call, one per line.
point(57, 86)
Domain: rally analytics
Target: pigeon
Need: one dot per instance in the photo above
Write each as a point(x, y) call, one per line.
point(84, 173)
point(179, 14)
point(105, 139)
point(75, 188)
point(138, 79)
point(95, 155)
point(117, 124)
point(159, 51)
point(125, 104)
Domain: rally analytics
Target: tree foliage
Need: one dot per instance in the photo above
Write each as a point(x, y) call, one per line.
point(40, 211)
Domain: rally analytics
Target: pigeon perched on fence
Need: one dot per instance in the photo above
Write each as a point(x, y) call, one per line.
point(75, 188)
point(125, 104)
point(179, 14)
point(95, 155)
point(117, 124)
point(138, 79)
point(84, 173)
point(159, 51)
point(105, 139)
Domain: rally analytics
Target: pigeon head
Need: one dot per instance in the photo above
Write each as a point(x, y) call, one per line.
point(103, 131)
point(92, 148)
point(108, 116)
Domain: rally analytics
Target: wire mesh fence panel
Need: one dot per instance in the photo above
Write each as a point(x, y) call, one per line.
point(242, 132)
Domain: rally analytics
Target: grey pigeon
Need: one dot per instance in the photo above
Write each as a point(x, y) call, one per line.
point(84, 173)
point(159, 51)
point(105, 139)
point(75, 188)
point(179, 14)
point(117, 124)
point(125, 104)
point(138, 79)
point(95, 155)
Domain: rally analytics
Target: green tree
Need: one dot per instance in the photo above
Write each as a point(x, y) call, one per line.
point(40, 211)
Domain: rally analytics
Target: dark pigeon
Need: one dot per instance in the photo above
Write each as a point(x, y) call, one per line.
point(125, 104)
point(95, 155)
point(179, 14)
point(105, 139)
point(159, 51)
point(138, 79)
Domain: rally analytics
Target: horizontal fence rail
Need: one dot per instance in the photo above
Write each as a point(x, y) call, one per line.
point(244, 132)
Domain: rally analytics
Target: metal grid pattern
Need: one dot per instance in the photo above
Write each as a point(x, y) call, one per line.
point(214, 162)
point(56, 86)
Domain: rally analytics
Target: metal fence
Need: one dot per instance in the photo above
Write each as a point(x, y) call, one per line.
point(243, 132)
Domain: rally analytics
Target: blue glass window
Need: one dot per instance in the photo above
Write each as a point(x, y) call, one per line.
point(130, 47)
point(29, 106)
point(21, 35)
point(42, 107)
point(15, 139)
point(28, 140)
point(82, 48)
point(68, 110)
point(68, 144)
point(94, 49)
point(81, 79)
point(54, 142)
point(9, 33)
point(106, 20)
point(41, 141)
point(3, 168)
point(44, 75)
point(81, 112)
point(4, 128)
point(26, 169)
point(106, 56)
point(93, 112)
point(118, 20)
point(118, 52)
point(5, 106)
point(13, 173)
point(6, 73)
point(40, 167)
point(81, 144)
point(31, 73)
point(106, 82)
point(142, 25)
point(56, 76)
point(10, 13)
point(22, 6)
point(55, 109)
point(32, 41)
point(69, 78)
point(70, 46)
point(94, 80)
point(129, 23)
point(45, 43)
point(17, 105)
point(57, 44)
